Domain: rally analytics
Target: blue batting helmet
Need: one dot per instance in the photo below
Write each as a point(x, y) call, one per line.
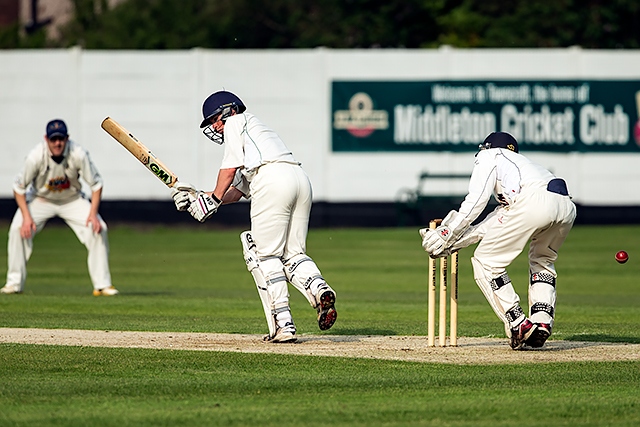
point(220, 102)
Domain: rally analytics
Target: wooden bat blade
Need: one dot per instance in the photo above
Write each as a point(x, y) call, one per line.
point(139, 151)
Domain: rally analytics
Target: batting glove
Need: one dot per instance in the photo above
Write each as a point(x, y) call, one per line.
point(183, 194)
point(203, 207)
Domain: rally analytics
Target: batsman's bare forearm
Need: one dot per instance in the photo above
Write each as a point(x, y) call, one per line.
point(231, 196)
point(225, 178)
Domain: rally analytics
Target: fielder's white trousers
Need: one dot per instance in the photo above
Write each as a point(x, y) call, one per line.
point(540, 217)
point(73, 213)
point(281, 200)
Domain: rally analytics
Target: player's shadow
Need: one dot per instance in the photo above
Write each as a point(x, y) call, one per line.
point(583, 341)
point(363, 331)
point(147, 293)
point(603, 338)
point(330, 338)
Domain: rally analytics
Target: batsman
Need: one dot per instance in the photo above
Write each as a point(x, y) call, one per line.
point(534, 207)
point(257, 165)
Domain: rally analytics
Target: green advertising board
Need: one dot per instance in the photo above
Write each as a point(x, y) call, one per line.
point(555, 116)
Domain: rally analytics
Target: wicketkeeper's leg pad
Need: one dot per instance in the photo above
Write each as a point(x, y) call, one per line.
point(542, 297)
point(303, 273)
point(499, 292)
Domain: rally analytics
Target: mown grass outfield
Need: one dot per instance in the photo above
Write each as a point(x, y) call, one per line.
point(193, 279)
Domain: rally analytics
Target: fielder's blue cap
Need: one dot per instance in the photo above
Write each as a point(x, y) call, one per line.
point(56, 127)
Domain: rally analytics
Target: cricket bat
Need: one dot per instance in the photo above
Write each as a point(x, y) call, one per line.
point(636, 128)
point(139, 151)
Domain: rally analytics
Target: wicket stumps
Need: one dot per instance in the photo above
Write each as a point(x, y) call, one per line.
point(453, 311)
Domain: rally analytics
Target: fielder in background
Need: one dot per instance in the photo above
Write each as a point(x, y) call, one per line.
point(258, 166)
point(49, 186)
point(534, 206)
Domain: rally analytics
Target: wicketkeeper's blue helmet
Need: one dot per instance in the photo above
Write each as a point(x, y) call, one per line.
point(500, 140)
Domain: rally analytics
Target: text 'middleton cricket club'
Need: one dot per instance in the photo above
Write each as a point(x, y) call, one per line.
point(361, 120)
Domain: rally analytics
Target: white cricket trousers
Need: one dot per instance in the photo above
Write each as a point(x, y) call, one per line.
point(540, 217)
point(281, 198)
point(75, 215)
point(280, 207)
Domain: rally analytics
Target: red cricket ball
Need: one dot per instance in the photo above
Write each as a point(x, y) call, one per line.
point(622, 257)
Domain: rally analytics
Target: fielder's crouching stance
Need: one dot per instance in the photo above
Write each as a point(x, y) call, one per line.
point(50, 185)
point(257, 165)
point(535, 207)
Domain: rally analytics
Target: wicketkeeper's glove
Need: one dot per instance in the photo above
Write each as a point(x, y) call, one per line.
point(437, 241)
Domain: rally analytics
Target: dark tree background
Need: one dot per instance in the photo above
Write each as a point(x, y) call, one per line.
point(291, 24)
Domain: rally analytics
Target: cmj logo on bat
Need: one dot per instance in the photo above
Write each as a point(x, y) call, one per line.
point(361, 120)
point(160, 173)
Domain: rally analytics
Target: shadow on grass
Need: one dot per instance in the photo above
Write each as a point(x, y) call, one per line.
point(364, 331)
point(603, 338)
point(146, 294)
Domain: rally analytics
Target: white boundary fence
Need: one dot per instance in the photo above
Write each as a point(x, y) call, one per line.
point(157, 95)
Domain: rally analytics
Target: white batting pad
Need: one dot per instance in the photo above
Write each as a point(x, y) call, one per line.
point(303, 273)
point(251, 260)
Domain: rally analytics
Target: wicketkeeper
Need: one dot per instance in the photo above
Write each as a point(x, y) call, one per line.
point(257, 165)
point(534, 207)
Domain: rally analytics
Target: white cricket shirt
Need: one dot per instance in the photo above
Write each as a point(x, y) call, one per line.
point(41, 176)
point(503, 174)
point(249, 144)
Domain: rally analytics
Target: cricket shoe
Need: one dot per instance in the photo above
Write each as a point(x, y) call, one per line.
point(10, 289)
point(286, 334)
point(539, 336)
point(327, 313)
point(107, 292)
point(521, 333)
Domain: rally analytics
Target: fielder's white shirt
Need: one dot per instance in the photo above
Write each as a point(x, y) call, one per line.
point(249, 144)
point(503, 174)
point(41, 176)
